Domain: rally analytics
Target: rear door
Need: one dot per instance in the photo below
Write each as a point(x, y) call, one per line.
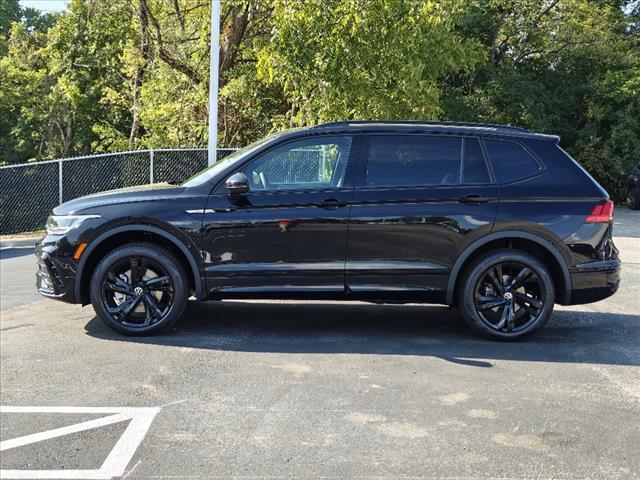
point(419, 201)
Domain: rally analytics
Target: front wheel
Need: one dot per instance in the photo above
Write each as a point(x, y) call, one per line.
point(139, 289)
point(506, 294)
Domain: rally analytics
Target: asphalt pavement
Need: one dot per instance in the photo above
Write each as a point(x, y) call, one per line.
point(17, 277)
point(319, 389)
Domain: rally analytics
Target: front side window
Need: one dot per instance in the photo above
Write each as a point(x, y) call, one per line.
point(510, 161)
point(314, 163)
point(422, 160)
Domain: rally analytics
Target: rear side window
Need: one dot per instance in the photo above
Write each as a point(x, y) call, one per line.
point(419, 160)
point(510, 161)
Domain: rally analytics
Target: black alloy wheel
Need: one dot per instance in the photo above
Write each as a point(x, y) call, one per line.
point(139, 289)
point(137, 292)
point(507, 294)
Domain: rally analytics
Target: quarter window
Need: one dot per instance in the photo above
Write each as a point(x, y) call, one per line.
point(510, 161)
point(421, 160)
point(474, 167)
point(315, 163)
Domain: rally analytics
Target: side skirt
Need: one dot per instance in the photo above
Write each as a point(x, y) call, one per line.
point(318, 293)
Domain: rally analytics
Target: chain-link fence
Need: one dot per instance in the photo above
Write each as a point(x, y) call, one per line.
point(29, 191)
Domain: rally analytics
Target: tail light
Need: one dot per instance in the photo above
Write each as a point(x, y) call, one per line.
point(601, 213)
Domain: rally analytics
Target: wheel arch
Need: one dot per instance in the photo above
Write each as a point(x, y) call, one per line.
point(559, 269)
point(126, 234)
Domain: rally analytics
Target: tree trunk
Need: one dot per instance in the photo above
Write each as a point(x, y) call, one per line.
point(68, 137)
point(165, 53)
point(232, 34)
point(139, 77)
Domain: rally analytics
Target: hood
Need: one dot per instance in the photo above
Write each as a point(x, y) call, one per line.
point(140, 193)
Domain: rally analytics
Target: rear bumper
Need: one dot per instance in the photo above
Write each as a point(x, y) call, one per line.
point(595, 281)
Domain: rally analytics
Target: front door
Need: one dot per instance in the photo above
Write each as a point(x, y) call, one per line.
point(419, 201)
point(289, 232)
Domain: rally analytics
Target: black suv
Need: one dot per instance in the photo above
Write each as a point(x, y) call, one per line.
point(632, 189)
point(496, 220)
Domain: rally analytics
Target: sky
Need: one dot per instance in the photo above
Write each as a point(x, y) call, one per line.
point(45, 5)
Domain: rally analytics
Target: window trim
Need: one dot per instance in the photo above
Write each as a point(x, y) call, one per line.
point(541, 166)
point(364, 161)
point(349, 175)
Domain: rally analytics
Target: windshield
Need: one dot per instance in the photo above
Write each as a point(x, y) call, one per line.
point(237, 156)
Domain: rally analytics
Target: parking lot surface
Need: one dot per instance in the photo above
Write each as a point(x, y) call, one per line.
point(323, 390)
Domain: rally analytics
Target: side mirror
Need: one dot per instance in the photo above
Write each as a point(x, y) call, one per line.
point(237, 184)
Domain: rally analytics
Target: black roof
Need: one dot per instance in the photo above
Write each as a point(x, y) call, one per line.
point(433, 125)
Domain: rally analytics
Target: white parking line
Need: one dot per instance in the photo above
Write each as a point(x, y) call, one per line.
point(140, 420)
point(59, 432)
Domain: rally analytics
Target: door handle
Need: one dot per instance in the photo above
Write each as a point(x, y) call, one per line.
point(331, 203)
point(224, 210)
point(473, 199)
point(210, 210)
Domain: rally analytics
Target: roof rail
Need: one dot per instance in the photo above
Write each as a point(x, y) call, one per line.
point(346, 123)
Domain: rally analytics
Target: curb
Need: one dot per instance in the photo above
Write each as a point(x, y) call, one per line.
point(19, 242)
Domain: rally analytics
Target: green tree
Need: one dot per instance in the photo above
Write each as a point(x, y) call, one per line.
point(30, 25)
point(555, 67)
point(348, 59)
point(9, 12)
point(107, 76)
point(58, 83)
point(22, 86)
point(173, 105)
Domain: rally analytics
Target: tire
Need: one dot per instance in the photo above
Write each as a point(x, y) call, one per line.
point(633, 198)
point(139, 289)
point(506, 294)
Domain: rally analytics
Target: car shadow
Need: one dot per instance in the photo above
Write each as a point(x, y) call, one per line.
point(356, 328)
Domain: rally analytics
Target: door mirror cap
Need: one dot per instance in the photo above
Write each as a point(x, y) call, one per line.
point(237, 184)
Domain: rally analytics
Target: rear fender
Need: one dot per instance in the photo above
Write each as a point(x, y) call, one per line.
point(565, 296)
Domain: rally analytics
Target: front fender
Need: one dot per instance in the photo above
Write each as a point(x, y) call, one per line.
point(194, 260)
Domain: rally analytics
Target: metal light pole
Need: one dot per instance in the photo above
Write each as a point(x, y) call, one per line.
point(214, 62)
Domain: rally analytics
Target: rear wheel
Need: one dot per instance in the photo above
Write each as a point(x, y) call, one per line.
point(139, 289)
point(506, 294)
point(633, 198)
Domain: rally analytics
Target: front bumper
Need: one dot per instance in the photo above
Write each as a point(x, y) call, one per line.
point(56, 269)
point(595, 281)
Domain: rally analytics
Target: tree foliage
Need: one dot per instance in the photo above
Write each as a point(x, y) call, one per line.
point(105, 76)
point(344, 59)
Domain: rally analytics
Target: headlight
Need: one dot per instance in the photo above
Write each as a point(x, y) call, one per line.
point(61, 224)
